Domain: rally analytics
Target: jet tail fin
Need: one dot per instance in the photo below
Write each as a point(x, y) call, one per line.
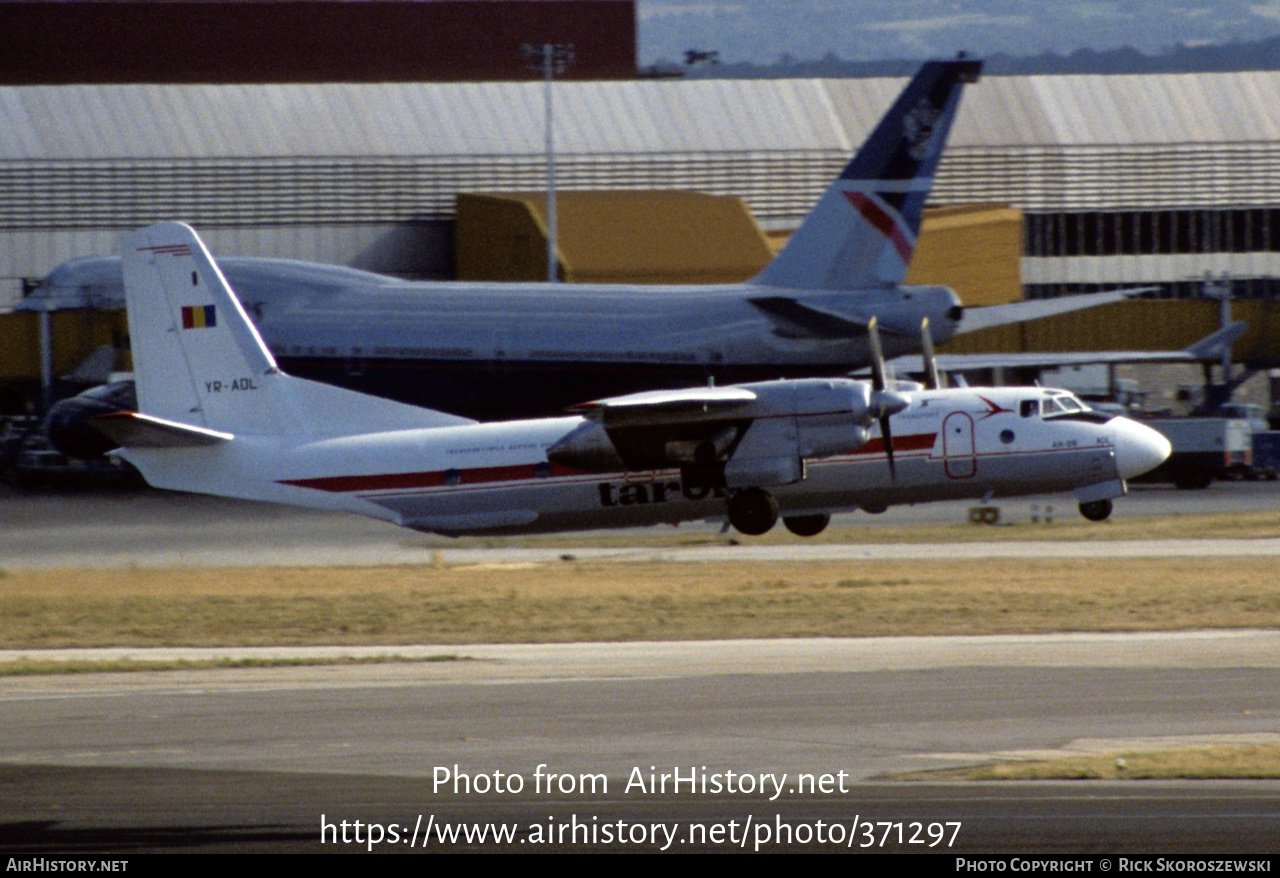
point(199, 362)
point(863, 230)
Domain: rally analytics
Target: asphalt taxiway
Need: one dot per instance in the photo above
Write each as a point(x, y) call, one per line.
point(262, 759)
point(257, 759)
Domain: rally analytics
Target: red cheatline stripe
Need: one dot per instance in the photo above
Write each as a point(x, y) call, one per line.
point(523, 472)
point(403, 481)
point(918, 442)
point(884, 222)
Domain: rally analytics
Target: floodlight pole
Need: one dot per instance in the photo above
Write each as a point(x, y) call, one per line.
point(551, 59)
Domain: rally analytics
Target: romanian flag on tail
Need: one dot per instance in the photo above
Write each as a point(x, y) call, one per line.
point(199, 316)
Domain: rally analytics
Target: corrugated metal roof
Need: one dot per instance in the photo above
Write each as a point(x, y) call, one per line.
point(83, 157)
point(342, 119)
point(1121, 110)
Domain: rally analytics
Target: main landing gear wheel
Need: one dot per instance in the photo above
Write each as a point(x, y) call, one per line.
point(807, 525)
point(1096, 510)
point(753, 511)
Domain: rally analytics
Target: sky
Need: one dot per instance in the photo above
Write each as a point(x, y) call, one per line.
point(763, 31)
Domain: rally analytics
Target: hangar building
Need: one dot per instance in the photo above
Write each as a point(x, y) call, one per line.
point(1120, 180)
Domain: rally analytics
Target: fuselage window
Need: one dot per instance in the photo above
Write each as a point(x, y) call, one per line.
point(1029, 408)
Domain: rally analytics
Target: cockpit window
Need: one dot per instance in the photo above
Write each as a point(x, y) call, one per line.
point(1052, 406)
point(1029, 408)
point(1062, 403)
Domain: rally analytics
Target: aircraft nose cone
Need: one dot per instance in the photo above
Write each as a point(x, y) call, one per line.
point(1139, 449)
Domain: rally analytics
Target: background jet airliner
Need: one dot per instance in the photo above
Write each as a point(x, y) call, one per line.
point(216, 415)
point(492, 351)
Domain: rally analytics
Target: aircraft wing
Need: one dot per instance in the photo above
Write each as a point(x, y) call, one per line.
point(1019, 312)
point(1211, 347)
point(752, 434)
point(666, 407)
point(136, 430)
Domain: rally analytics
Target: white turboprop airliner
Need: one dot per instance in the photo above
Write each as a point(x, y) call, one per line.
point(217, 416)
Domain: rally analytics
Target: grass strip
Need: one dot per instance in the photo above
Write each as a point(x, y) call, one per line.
point(1244, 761)
point(44, 667)
point(567, 601)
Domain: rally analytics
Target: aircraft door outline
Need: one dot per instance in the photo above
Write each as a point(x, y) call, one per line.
point(959, 454)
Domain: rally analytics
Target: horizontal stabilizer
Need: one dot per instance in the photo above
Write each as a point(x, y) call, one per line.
point(1019, 312)
point(136, 430)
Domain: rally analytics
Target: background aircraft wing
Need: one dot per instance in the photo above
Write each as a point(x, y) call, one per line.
point(1211, 347)
point(1018, 312)
point(795, 318)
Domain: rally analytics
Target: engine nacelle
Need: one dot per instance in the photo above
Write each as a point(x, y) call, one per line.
point(68, 423)
point(749, 434)
point(796, 421)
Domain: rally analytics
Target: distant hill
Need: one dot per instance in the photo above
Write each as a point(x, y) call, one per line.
point(1257, 55)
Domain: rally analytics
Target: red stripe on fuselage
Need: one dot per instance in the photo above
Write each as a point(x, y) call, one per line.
point(527, 472)
point(404, 481)
point(918, 442)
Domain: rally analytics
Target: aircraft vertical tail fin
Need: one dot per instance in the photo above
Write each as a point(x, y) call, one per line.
point(863, 230)
point(199, 361)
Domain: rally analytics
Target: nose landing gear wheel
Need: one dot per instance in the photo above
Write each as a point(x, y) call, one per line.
point(753, 511)
point(1097, 510)
point(807, 525)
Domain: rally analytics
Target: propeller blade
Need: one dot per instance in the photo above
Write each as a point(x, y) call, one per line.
point(932, 378)
point(887, 435)
point(878, 396)
point(877, 355)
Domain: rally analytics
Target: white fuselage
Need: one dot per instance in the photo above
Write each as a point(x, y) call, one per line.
point(495, 478)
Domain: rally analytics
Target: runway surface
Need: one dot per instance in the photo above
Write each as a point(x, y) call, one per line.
point(278, 759)
point(251, 759)
point(159, 529)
